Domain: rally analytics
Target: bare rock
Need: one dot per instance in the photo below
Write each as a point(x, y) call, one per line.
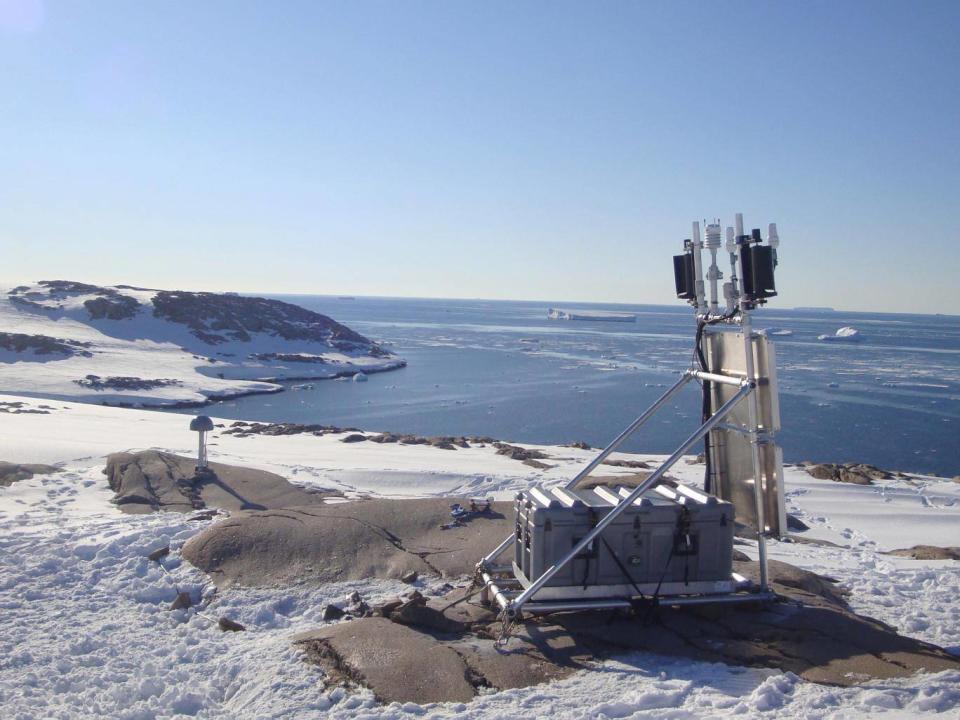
point(151, 481)
point(182, 601)
point(854, 477)
point(13, 472)
point(639, 464)
point(823, 471)
point(332, 612)
point(228, 625)
point(928, 552)
point(410, 577)
point(516, 452)
point(353, 438)
point(396, 662)
point(854, 473)
point(418, 614)
point(158, 554)
point(346, 541)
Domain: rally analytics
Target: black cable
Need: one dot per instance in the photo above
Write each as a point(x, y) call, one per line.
point(705, 402)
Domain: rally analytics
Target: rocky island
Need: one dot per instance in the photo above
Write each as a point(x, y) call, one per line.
point(124, 345)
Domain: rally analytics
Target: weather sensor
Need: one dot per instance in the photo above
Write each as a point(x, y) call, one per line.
point(201, 424)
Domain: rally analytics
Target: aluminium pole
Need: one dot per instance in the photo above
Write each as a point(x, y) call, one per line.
point(619, 440)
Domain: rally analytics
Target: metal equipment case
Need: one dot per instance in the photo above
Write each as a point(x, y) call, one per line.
point(673, 540)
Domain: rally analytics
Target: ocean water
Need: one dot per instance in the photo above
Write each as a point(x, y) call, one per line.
point(503, 369)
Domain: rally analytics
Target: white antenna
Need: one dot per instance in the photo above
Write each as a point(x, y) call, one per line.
point(730, 290)
point(700, 303)
point(713, 274)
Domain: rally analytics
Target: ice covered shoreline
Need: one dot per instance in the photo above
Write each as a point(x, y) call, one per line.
point(68, 552)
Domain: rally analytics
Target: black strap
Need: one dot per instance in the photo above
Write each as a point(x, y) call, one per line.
point(683, 521)
point(623, 568)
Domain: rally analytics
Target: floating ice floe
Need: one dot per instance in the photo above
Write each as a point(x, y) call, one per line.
point(844, 334)
point(360, 377)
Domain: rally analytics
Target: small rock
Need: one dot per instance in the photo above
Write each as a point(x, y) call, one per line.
point(332, 612)
point(228, 625)
point(182, 601)
point(580, 445)
point(823, 472)
point(159, 554)
point(928, 552)
point(353, 598)
point(355, 437)
point(796, 524)
point(419, 614)
point(410, 577)
point(416, 597)
point(386, 609)
point(741, 556)
point(854, 477)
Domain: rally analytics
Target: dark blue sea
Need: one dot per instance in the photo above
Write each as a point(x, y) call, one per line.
point(503, 369)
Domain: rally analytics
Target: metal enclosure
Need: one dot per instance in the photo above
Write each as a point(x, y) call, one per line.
point(677, 540)
point(731, 459)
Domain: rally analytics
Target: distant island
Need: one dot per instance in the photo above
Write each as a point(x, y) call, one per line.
point(124, 345)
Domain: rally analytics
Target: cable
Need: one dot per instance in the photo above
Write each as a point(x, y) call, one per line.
point(706, 386)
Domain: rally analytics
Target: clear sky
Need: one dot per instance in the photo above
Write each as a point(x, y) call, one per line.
point(530, 150)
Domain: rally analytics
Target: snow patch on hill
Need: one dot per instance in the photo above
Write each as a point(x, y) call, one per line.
point(134, 346)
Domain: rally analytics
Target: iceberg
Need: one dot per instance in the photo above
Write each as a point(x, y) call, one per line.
point(844, 334)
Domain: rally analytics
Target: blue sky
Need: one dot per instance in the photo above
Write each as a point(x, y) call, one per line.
point(490, 149)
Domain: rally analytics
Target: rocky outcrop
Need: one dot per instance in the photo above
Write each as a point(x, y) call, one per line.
point(442, 650)
point(928, 552)
point(152, 481)
point(12, 472)
point(346, 541)
point(43, 345)
point(96, 382)
point(855, 473)
point(217, 318)
point(115, 307)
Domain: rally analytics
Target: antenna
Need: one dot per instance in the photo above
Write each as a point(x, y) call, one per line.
point(736, 369)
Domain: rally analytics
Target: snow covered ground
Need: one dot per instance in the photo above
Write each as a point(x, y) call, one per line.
point(85, 630)
point(70, 341)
